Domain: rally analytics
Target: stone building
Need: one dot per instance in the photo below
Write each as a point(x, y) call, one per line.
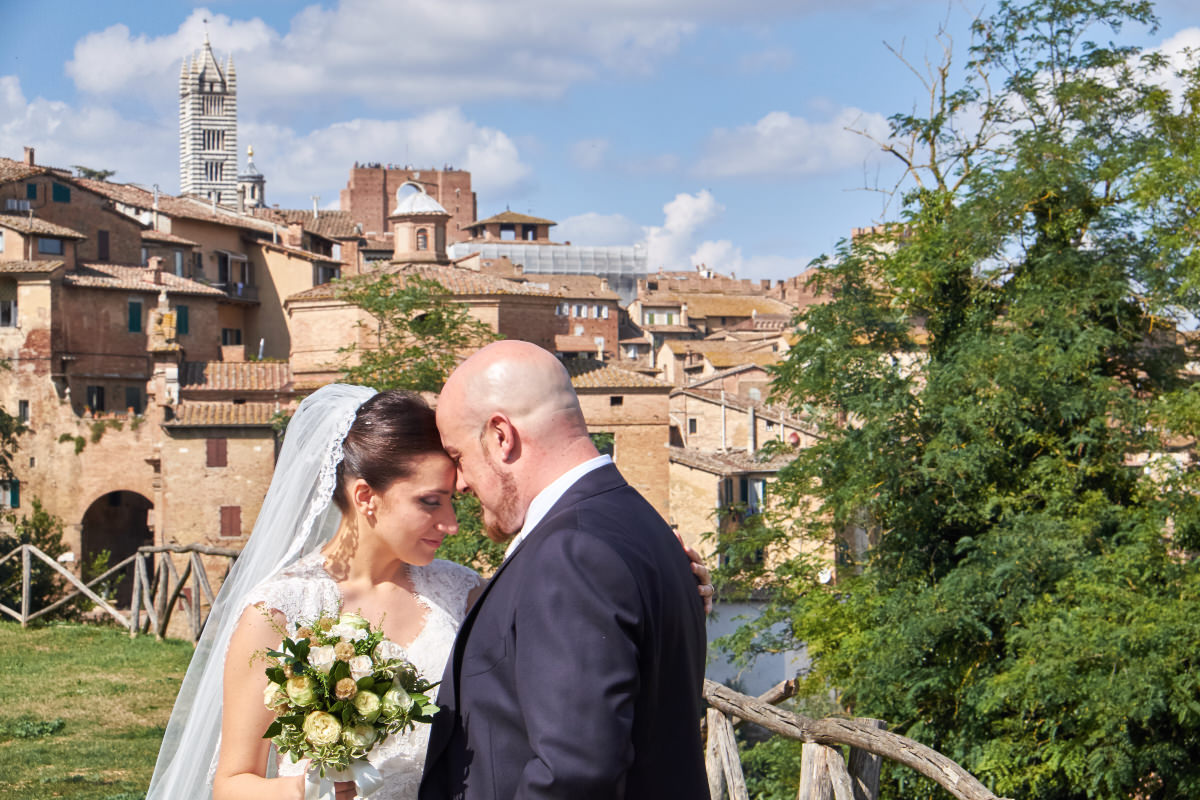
point(208, 165)
point(371, 191)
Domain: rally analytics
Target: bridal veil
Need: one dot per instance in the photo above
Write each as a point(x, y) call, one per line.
point(296, 518)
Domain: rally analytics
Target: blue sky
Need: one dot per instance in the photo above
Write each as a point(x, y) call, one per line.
point(713, 131)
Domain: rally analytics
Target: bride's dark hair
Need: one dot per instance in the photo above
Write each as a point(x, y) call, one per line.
point(388, 431)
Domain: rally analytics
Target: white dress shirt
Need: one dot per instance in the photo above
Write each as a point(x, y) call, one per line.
point(547, 497)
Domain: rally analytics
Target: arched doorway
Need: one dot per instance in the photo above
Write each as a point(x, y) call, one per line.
point(117, 522)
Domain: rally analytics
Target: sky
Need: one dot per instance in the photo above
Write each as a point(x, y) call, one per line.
point(741, 135)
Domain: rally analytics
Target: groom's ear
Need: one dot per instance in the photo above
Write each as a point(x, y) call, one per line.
point(502, 438)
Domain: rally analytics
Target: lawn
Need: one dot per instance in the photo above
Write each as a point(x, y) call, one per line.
point(82, 710)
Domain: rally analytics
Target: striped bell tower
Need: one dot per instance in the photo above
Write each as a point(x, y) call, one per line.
point(208, 165)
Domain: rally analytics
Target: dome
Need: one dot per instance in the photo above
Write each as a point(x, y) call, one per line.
point(419, 203)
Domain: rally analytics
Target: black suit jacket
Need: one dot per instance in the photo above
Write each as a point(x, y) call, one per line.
point(578, 673)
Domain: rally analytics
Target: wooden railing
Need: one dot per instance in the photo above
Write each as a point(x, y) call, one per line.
point(824, 773)
point(158, 586)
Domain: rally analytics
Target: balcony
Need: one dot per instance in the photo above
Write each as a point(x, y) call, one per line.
point(239, 291)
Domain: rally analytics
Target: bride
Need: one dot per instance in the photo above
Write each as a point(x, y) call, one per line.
point(379, 458)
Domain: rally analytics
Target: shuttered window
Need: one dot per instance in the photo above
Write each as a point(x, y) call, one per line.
point(231, 522)
point(181, 320)
point(135, 316)
point(216, 453)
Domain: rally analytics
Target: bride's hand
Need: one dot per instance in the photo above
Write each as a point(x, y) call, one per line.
point(702, 573)
point(344, 790)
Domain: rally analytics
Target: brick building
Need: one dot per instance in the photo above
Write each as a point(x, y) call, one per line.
point(373, 190)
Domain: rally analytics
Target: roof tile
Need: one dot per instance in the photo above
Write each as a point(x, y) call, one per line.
point(587, 373)
point(23, 223)
point(140, 279)
point(222, 415)
point(235, 376)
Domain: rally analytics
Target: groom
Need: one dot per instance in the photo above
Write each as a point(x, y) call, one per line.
point(577, 674)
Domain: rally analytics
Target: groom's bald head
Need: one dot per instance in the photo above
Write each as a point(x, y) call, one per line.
point(510, 418)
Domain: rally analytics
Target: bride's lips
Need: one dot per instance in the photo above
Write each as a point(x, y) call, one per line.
point(434, 543)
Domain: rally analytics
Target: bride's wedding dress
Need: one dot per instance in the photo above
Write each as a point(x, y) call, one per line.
point(303, 589)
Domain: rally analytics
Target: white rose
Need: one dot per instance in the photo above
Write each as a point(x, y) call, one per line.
point(360, 667)
point(354, 620)
point(348, 633)
point(387, 650)
point(321, 728)
point(359, 736)
point(322, 657)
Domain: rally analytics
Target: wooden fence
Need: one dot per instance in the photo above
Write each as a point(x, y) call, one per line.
point(158, 587)
point(824, 773)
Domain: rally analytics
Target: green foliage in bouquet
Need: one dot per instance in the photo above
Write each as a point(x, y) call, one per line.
point(338, 688)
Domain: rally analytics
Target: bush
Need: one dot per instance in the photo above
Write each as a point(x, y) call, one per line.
point(44, 531)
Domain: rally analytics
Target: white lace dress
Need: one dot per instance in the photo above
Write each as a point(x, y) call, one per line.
point(303, 589)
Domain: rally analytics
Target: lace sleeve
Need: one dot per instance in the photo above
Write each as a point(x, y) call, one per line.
point(300, 592)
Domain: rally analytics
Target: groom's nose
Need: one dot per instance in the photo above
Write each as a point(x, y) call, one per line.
point(460, 483)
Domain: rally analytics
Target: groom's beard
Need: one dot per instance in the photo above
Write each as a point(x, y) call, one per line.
point(502, 521)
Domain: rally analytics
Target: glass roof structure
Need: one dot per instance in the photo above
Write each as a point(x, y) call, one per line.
point(563, 259)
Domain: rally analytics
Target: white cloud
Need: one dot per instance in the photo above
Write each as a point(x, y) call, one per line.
point(725, 257)
point(319, 161)
point(668, 245)
point(782, 145)
point(589, 153)
point(1180, 50)
point(593, 229)
point(775, 59)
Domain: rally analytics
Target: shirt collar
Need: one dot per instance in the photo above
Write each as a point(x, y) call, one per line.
point(547, 497)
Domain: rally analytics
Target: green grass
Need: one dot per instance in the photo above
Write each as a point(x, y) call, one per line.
point(82, 710)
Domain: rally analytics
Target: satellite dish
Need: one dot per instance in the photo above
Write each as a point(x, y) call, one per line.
point(825, 575)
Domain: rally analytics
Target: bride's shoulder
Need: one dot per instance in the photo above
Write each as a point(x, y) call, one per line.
point(301, 589)
point(454, 573)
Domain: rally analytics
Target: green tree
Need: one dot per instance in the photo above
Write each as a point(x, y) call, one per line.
point(419, 332)
point(94, 174)
point(1004, 405)
point(11, 429)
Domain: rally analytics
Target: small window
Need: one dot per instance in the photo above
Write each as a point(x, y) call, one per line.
point(102, 247)
point(31, 191)
point(770, 425)
point(231, 522)
point(135, 316)
point(23, 410)
point(181, 320)
point(231, 336)
point(604, 312)
point(179, 263)
point(216, 453)
point(691, 424)
point(8, 313)
point(50, 247)
point(145, 257)
point(197, 265)
point(422, 239)
point(61, 194)
point(95, 398)
point(616, 400)
point(133, 399)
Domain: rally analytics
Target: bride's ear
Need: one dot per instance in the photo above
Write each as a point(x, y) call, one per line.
point(362, 497)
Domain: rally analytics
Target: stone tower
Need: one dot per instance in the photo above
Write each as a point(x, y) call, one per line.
point(208, 127)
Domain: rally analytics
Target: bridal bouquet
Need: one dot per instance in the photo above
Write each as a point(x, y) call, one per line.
point(338, 689)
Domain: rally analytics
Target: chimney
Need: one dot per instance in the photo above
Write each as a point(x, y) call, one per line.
point(156, 267)
point(683, 315)
point(752, 437)
point(604, 284)
point(241, 199)
point(29, 156)
point(316, 206)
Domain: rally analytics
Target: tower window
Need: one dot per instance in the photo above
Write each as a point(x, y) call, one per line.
point(214, 105)
point(212, 170)
point(422, 239)
point(214, 140)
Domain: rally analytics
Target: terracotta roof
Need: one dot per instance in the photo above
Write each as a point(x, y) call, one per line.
point(671, 329)
point(138, 279)
point(28, 267)
point(512, 217)
point(11, 170)
point(169, 238)
point(235, 376)
point(763, 322)
point(574, 344)
point(222, 415)
point(634, 340)
point(725, 373)
point(171, 206)
point(733, 359)
point(300, 252)
point(332, 224)
point(23, 223)
point(774, 413)
point(587, 373)
point(573, 286)
point(729, 462)
point(459, 282)
point(704, 304)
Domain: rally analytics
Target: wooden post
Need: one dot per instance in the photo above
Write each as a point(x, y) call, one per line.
point(26, 589)
point(712, 757)
point(721, 729)
point(864, 766)
point(135, 606)
point(160, 599)
point(197, 620)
